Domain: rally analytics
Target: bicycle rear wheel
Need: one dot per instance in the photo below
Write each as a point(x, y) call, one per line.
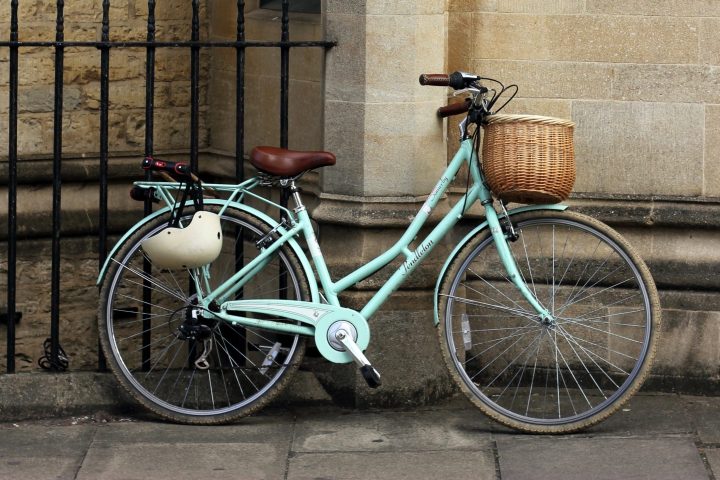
point(153, 344)
point(550, 377)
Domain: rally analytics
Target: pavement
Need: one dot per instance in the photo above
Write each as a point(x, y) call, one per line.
point(657, 436)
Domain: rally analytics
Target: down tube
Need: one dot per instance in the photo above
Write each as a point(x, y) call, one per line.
point(421, 252)
point(400, 247)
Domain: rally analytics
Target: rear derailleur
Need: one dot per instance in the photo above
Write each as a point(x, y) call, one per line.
point(197, 328)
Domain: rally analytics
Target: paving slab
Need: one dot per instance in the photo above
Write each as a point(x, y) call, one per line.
point(39, 452)
point(705, 414)
point(647, 414)
point(161, 461)
point(259, 429)
point(456, 465)
point(396, 431)
point(599, 458)
point(713, 458)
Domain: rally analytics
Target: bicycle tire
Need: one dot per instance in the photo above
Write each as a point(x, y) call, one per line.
point(155, 363)
point(564, 376)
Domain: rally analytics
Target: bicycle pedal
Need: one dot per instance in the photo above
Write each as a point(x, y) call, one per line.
point(371, 376)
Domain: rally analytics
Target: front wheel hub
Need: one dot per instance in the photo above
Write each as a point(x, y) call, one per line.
point(548, 322)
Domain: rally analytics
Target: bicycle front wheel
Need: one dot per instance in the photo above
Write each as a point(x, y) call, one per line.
point(189, 369)
point(550, 376)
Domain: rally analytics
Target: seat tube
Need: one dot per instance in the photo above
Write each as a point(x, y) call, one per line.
point(314, 247)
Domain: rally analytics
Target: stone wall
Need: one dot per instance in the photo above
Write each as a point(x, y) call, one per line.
point(640, 79)
point(81, 145)
point(81, 124)
point(262, 81)
point(81, 119)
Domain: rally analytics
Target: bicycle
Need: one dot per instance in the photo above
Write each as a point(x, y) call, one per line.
point(548, 320)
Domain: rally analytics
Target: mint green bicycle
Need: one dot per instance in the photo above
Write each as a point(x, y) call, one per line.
point(548, 320)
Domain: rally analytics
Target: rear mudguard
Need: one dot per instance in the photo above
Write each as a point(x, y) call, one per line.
point(479, 228)
point(292, 243)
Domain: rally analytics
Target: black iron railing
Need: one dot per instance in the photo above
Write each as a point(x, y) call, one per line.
point(55, 358)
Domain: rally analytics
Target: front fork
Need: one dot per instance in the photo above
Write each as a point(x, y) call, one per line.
point(508, 260)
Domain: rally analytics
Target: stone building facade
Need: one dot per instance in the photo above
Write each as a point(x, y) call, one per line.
point(639, 78)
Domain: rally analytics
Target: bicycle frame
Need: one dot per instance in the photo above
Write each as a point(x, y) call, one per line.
point(311, 314)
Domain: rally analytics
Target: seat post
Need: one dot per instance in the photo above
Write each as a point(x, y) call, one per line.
point(295, 192)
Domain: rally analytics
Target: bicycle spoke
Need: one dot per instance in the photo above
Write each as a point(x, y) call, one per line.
point(554, 374)
point(157, 333)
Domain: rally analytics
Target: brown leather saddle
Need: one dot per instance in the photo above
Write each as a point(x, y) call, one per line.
point(288, 163)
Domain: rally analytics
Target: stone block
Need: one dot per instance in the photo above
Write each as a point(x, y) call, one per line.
point(711, 175)
point(84, 67)
point(472, 6)
point(345, 64)
point(420, 38)
point(167, 10)
point(397, 465)
point(405, 7)
point(82, 32)
point(41, 98)
point(400, 160)
point(343, 122)
point(37, 69)
point(35, 133)
point(263, 90)
point(552, 7)
point(667, 83)
point(562, 80)
point(459, 41)
point(223, 61)
point(262, 461)
point(222, 18)
point(677, 257)
point(615, 457)
point(713, 458)
point(305, 115)
point(305, 63)
point(710, 41)
point(644, 141)
point(559, 108)
point(682, 8)
point(688, 344)
point(132, 31)
point(614, 39)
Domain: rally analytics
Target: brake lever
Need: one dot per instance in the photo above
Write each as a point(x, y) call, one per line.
point(472, 90)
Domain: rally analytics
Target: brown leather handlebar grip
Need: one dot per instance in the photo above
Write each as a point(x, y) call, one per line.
point(454, 109)
point(435, 79)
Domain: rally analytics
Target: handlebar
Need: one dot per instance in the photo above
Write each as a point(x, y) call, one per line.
point(435, 79)
point(456, 81)
point(454, 109)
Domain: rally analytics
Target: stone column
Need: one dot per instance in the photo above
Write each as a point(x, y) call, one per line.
point(390, 150)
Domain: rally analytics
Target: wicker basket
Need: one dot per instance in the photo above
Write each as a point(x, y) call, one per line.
point(528, 158)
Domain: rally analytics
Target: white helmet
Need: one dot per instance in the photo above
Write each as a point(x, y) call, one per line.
point(193, 246)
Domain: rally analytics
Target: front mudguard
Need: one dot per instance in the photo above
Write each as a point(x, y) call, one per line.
point(292, 243)
point(479, 228)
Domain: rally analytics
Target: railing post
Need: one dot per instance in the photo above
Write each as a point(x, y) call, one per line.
point(12, 189)
point(55, 358)
point(240, 95)
point(104, 151)
point(284, 108)
point(195, 86)
point(149, 112)
point(55, 363)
